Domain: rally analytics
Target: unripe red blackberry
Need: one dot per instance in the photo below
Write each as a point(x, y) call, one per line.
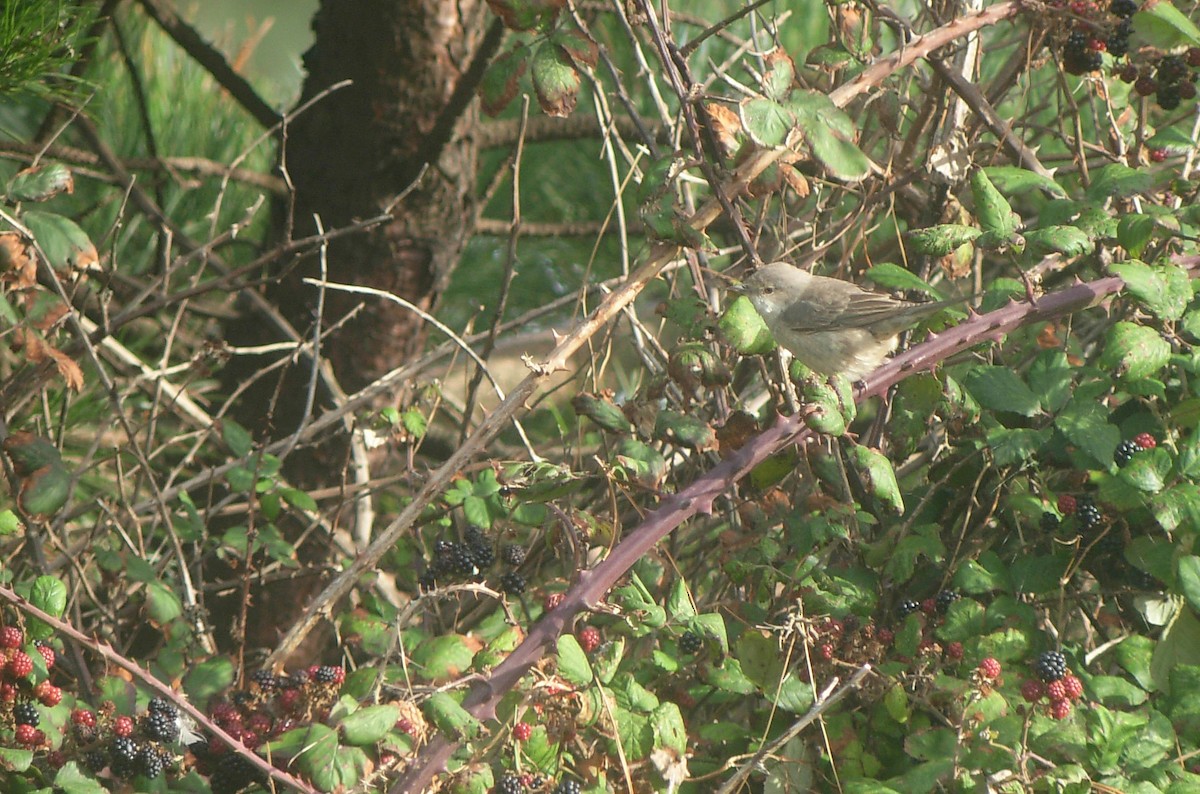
point(47, 694)
point(47, 654)
point(28, 736)
point(1060, 709)
point(11, 637)
point(1033, 690)
point(20, 665)
point(1056, 690)
point(989, 668)
point(954, 650)
point(1066, 504)
point(522, 731)
point(1156, 155)
point(589, 638)
point(123, 726)
point(1072, 687)
point(83, 717)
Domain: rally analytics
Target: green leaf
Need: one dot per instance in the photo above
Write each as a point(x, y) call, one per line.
point(822, 407)
point(298, 499)
point(942, 240)
point(1085, 424)
point(237, 438)
point(744, 329)
point(1065, 240)
point(1133, 233)
point(70, 779)
point(602, 411)
point(208, 678)
point(573, 663)
point(669, 728)
point(443, 658)
point(1187, 575)
point(369, 725)
point(1166, 291)
point(1134, 351)
point(446, 713)
point(14, 759)
point(1179, 646)
point(1148, 471)
point(1118, 180)
point(766, 121)
point(40, 183)
point(525, 14)
point(555, 80)
point(1001, 389)
point(679, 602)
point(49, 595)
point(893, 277)
point(501, 79)
point(1013, 180)
point(686, 431)
point(638, 462)
point(1134, 654)
point(65, 244)
point(760, 659)
point(984, 574)
point(878, 475)
point(10, 524)
point(993, 211)
point(1162, 25)
point(838, 153)
point(162, 605)
point(30, 452)
point(45, 491)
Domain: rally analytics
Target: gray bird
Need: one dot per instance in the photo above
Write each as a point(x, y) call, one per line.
point(831, 326)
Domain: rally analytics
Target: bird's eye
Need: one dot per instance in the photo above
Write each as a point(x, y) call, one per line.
point(767, 290)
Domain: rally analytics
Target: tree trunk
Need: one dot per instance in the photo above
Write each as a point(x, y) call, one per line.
point(359, 148)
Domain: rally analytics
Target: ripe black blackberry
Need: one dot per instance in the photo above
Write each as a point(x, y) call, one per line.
point(512, 583)
point(123, 750)
point(691, 642)
point(150, 763)
point(1078, 58)
point(1171, 69)
point(907, 607)
point(1168, 97)
point(1123, 8)
point(509, 784)
point(26, 713)
point(462, 562)
point(1117, 42)
point(265, 679)
point(160, 705)
point(483, 556)
point(945, 599)
point(95, 760)
point(160, 726)
point(232, 774)
point(567, 787)
point(1125, 452)
point(1050, 666)
point(1050, 522)
point(513, 554)
point(1089, 515)
point(326, 674)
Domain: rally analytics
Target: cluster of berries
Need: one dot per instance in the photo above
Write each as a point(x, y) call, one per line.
point(1054, 683)
point(467, 561)
point(1128, 448)
point(510, 783)
point(126, 746)
point(18, 693)
point(1084, 507)
point(1094, 31)
point(270, 706)
point(1170, 78)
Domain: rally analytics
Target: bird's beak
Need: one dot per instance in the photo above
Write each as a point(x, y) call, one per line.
point(737, 287)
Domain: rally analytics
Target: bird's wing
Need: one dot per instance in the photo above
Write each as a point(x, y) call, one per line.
point(850, 308)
